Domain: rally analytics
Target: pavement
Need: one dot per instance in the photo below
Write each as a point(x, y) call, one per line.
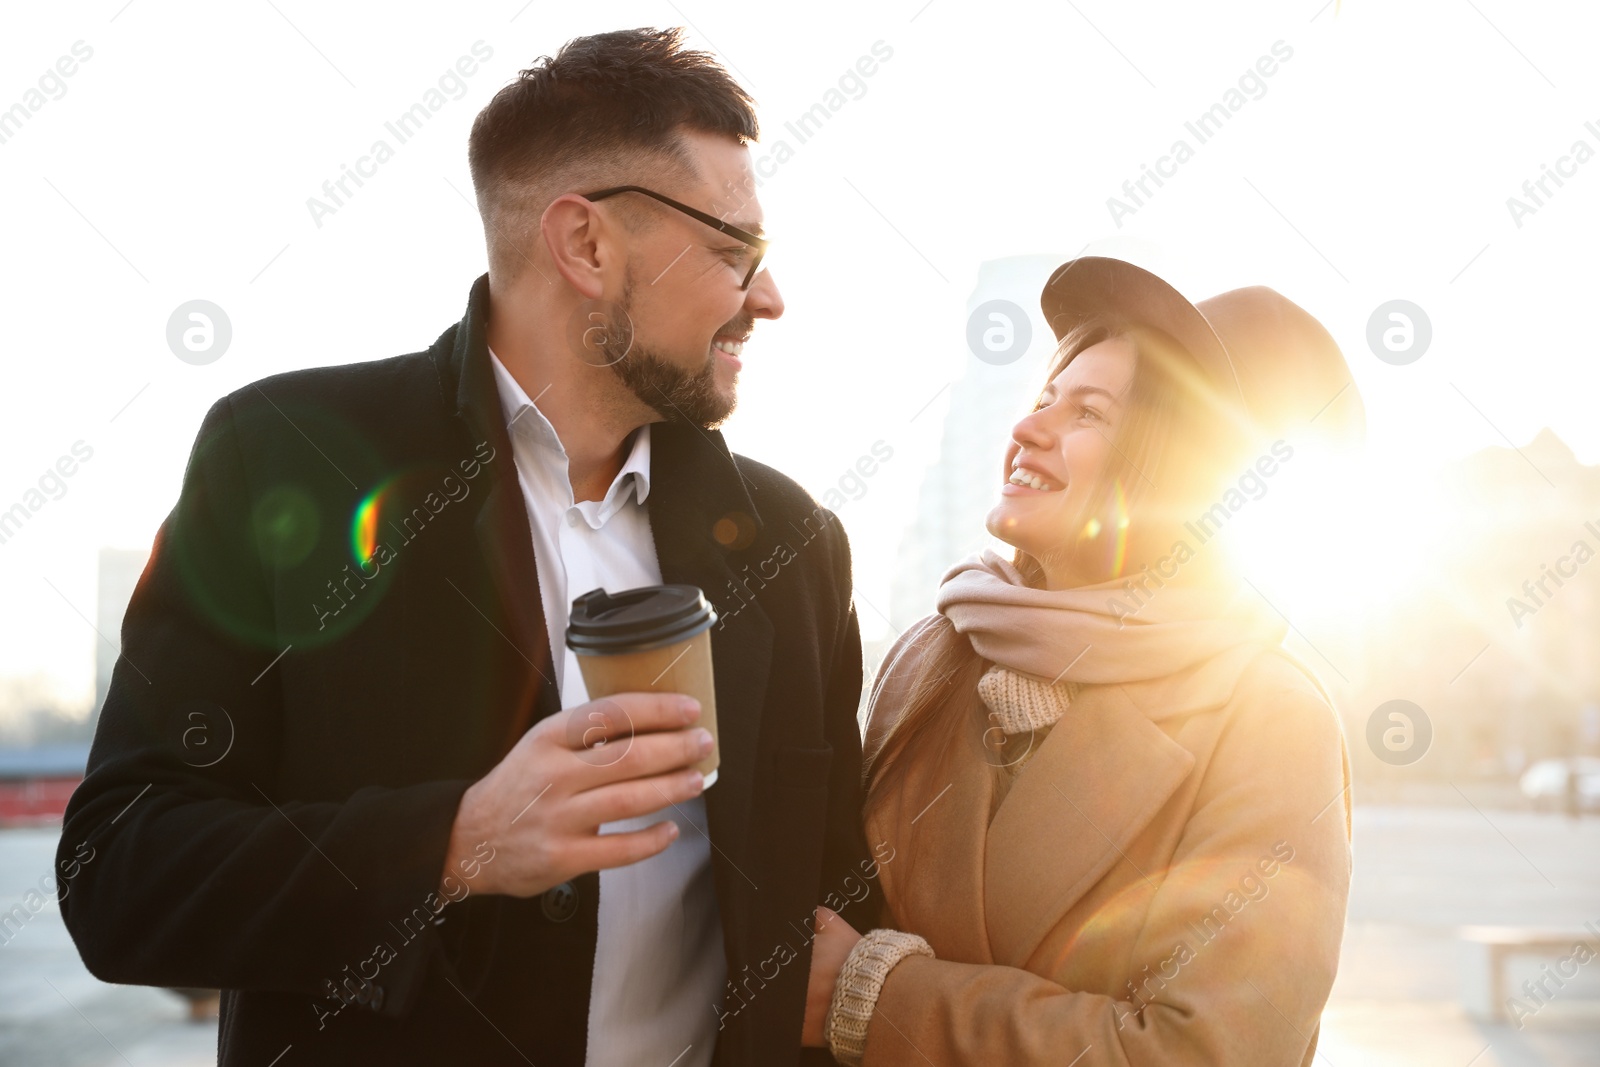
point(53, 1012)
point(1421, 873)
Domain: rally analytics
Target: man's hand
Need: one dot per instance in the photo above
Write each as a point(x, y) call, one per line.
point(541, 806)
point(835, 938)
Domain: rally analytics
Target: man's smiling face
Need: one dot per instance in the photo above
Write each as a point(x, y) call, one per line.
point(681, 290)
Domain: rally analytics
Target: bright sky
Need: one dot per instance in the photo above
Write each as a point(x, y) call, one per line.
point(1373, 164)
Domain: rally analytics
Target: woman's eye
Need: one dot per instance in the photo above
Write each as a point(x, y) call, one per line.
point(1091, 414)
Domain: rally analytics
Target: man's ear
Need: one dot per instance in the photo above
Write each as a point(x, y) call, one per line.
point(581, 242)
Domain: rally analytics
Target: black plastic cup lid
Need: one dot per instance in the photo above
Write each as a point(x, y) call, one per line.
point(636, 620)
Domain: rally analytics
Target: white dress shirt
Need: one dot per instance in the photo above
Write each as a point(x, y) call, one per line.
point(659, 968)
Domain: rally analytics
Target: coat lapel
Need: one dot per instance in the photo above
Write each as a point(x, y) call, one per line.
point(694, 483)
point(1097, 780)
point(506, 545)
point(500, 528)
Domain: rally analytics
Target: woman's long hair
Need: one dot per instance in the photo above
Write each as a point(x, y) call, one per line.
point(1170, 441)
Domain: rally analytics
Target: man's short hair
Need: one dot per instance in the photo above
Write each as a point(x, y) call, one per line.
point(605, 110)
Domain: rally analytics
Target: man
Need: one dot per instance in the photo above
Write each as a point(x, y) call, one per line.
point(334, 777)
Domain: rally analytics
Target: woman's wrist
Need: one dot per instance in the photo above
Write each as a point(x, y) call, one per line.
point(855, 993)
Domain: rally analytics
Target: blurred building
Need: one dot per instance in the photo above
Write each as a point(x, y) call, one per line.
point(36, 782)
point(1496, 639)
point(119, 572)
point(1008, 349)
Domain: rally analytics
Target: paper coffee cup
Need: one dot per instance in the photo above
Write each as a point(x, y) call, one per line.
point(654, 639)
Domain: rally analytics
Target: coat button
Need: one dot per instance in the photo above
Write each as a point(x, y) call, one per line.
point(560, 903)
point(376, 1001)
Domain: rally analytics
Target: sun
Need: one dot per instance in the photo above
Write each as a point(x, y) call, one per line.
point(1333, 541)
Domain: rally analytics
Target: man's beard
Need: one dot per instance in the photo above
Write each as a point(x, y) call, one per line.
point(675, 394)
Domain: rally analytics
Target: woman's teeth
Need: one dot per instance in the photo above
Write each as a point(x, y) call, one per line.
point(733, 348)
point(1032, 481)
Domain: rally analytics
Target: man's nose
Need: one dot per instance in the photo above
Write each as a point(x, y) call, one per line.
point(762, 300)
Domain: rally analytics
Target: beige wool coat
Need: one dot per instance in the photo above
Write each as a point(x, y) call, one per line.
point(1164, 883)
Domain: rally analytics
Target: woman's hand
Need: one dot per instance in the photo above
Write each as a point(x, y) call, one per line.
point(835, 938)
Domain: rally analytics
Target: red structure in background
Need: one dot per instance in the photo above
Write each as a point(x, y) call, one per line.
point(35, 783)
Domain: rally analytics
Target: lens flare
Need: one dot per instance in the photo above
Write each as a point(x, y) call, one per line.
point(1115, 545)
point(1119, 541)
point(364, 523)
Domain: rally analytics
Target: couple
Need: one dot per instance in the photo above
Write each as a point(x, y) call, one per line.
point(348, 771)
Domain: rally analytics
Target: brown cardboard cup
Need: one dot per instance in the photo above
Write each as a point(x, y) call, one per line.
point(654, 639)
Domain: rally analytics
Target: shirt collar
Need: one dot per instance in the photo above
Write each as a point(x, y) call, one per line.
point(523, 418)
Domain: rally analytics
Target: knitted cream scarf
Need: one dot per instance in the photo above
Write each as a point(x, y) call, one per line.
point(1021, 704)
point(1045, 643)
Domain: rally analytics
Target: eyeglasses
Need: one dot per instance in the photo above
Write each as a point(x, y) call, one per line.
point(758, 244)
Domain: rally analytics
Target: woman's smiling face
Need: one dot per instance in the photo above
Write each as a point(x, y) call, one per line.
point(1059, 450)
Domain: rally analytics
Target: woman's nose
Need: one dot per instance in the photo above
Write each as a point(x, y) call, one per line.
point(1033, 430)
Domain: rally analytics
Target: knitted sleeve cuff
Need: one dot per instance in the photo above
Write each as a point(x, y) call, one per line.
point(855, 995)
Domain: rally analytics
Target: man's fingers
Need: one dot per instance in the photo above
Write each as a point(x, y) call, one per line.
point(621, 715)
point(621, 849)
point(631, 798)
point(634, 756)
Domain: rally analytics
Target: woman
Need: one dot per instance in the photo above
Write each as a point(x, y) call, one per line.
point(1113, 800)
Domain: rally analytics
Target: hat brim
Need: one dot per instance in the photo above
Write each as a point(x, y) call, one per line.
point(1091, 288)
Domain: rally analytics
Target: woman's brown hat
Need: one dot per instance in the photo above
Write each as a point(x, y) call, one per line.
point(1259, 350)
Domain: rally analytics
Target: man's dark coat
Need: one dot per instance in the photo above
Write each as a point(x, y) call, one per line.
point(338, 632)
